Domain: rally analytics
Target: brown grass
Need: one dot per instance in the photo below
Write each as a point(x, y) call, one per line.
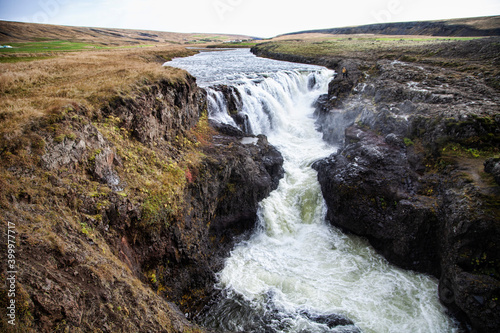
point(30, 90)
point(489, 22)
point(36, 96)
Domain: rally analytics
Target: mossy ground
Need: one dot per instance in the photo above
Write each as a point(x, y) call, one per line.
point(48, 46)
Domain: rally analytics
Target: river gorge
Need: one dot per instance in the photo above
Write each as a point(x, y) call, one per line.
point(295, 272)
point(234, 193)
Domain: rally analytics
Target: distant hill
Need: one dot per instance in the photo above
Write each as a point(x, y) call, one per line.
point(468, 27)
point(11, 32)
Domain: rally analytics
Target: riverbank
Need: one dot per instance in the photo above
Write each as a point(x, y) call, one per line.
point(417, 120)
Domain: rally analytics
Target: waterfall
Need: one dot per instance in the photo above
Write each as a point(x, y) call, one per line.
point(269, 100)
point(296, 273)
point(217, 107)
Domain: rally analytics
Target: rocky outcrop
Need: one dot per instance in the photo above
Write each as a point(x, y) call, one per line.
point(220, 207)
point(441, 224)
point(159, 112)
point(404, 180)
point(372, 190)
point(233, 103)
point(270, 318)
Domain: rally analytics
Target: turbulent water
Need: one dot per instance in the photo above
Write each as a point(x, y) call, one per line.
point(297, 273)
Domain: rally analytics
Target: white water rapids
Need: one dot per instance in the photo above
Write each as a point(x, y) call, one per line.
point(296, 273)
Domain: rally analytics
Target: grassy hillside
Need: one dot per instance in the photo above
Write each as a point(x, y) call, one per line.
point(33, 89)
point(467, 27)
point(15, 32)
point(361, 45)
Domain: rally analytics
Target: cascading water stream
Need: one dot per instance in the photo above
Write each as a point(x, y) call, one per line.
point(296, 273)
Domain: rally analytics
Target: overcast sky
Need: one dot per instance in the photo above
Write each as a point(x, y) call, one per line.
point(260, 18)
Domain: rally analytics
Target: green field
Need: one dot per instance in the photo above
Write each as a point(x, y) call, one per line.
point(48, 46)
point(29, 51)
point(57, 46)
point(21, 59)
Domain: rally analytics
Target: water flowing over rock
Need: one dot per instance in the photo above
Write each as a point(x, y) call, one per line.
point(371, 190)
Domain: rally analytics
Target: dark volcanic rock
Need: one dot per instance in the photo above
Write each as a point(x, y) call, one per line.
point(371, 190)
point(231, 96)
point(233, 104)
point(469, 251)
point(161, 112)
point(233, 180)
point(221, 206)
point(270, 318)
point(227, 129)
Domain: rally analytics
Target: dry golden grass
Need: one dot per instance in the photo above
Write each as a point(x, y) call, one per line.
point(30, 90)
point(35, 98)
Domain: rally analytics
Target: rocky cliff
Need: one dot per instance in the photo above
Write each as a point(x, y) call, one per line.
point(410, 175)
point(122, 214)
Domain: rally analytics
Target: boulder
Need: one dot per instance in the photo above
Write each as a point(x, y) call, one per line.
point(373, 173)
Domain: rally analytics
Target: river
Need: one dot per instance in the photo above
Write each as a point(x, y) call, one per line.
point(297, 273)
